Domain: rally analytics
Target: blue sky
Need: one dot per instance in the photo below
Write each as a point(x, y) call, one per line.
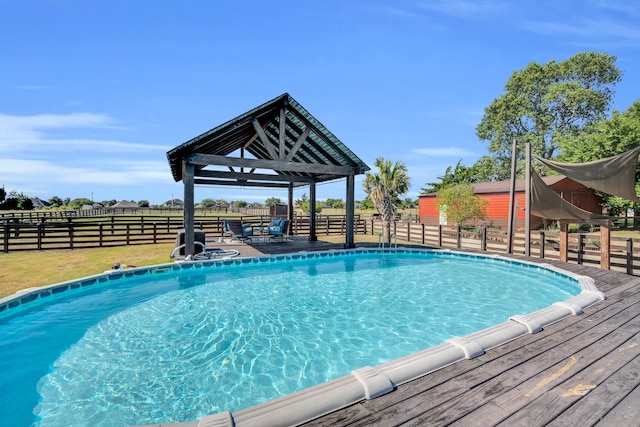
point(94, 93)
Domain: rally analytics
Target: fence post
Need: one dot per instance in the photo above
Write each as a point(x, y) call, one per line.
point(459, 237)
point(113, 220)
point(40, 233)
point(155, 231)
point(101, 231)
point(422, 233)
point(70, 234)
point(629, 255)
point(142, 224)
point(580, 246)
point(408, 231)
point(542, 241)
point(128, 232)
point(483, 239)
point(6, 237)
point(440, 235)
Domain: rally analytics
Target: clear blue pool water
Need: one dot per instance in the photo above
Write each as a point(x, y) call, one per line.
point(174, 345)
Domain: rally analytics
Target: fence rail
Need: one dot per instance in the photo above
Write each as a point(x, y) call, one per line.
point(73, 232)
point(583, 248)
point(118, 230)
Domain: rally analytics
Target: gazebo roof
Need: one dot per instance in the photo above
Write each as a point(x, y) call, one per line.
point(279, 135)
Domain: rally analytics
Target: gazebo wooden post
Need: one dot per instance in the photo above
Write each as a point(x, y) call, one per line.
point(564, 241)
point(290, 206)
point(350, 206)
point(312, 212)
point(189, 208)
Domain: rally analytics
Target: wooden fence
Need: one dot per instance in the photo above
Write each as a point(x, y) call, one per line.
point(72, 232)
point(42, 233)
point(583, 248)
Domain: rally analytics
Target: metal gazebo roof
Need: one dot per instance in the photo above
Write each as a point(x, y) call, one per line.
point(279, 135)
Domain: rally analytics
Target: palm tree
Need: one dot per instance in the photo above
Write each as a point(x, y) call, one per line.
point(384, 188)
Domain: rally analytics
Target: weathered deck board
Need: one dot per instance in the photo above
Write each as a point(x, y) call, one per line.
point(583, 370)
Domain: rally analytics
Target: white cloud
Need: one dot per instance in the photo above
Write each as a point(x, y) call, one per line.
point(27, 134)
point(443, 152)
point(22, 174)
point(44, 121)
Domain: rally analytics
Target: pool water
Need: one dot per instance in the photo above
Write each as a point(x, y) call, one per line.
point(175, 345)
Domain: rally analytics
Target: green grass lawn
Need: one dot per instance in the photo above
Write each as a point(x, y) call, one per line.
point(27, 269)
point(21, 270)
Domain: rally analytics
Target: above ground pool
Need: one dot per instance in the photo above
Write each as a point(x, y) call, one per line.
point(183, 341)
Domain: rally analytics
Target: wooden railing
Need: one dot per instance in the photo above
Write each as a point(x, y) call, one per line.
point(583, 248)
point(72, 232)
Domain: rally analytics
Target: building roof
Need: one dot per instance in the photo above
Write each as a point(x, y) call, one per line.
point(504, 186)
point(307, 149)
point(124, 204)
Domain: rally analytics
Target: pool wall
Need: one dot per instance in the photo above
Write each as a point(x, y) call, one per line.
point(363, 383)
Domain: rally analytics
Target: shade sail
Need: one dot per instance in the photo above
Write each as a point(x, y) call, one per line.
point(546, 203)
point(614, 175)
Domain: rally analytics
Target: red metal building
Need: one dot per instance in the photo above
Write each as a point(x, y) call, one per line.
point(497, 196)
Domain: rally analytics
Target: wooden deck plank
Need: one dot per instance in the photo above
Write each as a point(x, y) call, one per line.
point(594, 407)
point(513, 399)
point(550, 405)
point(515, 387)
point(627, 411)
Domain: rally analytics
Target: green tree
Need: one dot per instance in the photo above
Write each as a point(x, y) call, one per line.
point(366, 203)
point(384, 187)
point(270, 201)
point(409, 203)
point(461, 204)
point(16, 201)
point(543, 104)
point(79, 203)
point(240, 204)
point(143, 203)
point(208, 203)
point(306, 206)
point(619, 133)
point(298, 202)
point(452, 176)
point(334, 203)
point(55, 202)
point(3, 194)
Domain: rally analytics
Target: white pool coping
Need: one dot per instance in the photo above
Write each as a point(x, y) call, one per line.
point(370, 382)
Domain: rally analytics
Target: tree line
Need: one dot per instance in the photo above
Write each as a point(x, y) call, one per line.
point(563, 109)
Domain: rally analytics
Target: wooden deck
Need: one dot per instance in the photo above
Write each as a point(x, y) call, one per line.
point(581, 371)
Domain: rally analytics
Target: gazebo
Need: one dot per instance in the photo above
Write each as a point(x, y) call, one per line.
point(278, 144)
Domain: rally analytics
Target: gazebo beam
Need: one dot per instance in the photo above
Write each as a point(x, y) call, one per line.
point(252, 176)
point(240, 183)
point(278, 165)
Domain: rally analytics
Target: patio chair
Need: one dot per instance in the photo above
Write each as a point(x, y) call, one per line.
point(235, 229)
point(278, 228)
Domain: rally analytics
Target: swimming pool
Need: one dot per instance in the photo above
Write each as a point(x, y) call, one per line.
point(150, 345)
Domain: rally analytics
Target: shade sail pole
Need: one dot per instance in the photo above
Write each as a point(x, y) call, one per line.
point(512, 191)
point(527, 206)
